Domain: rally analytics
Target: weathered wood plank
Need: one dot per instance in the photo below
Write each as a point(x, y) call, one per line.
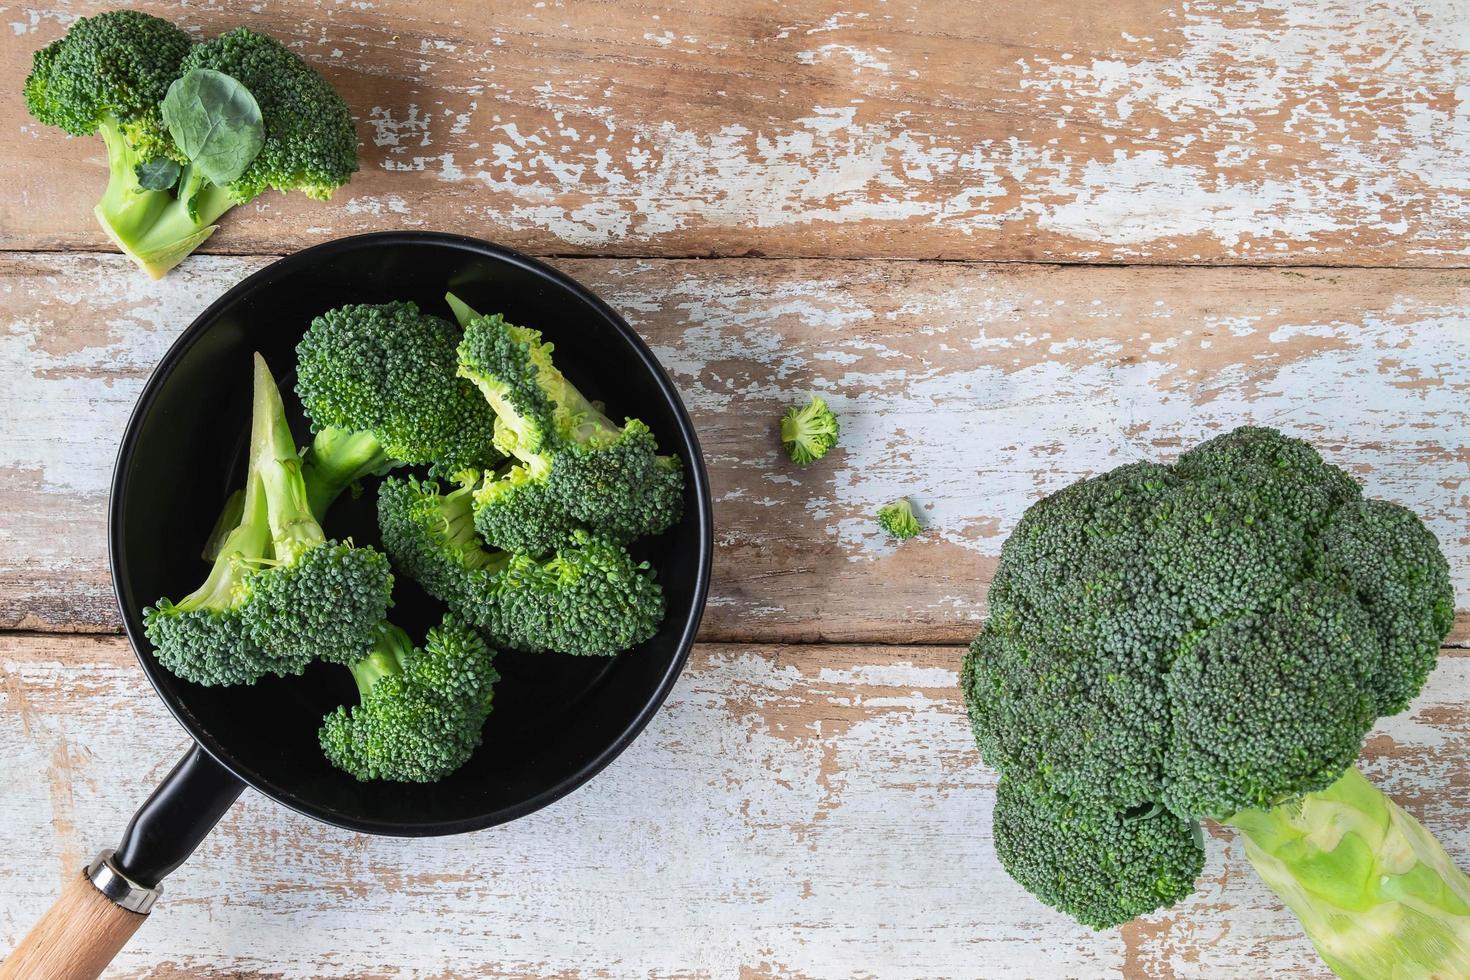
point(801, 811)
point(1272, 131)
point(976, 389)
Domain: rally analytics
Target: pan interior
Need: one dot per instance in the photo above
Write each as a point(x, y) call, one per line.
point(557, 718)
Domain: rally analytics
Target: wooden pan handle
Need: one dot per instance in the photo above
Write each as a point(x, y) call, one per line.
point(76, 938)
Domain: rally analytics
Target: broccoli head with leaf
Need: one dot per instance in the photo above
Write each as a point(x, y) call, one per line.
point(1214, 639)
point(191, 130)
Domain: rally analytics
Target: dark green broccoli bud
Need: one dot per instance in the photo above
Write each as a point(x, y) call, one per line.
point(1101, 866)
point(589, 597)
point(107, 76)
point(279, 593)
point(379, 384)
point(1296, 680)
point(1215, 639)
point(310, 141)
point(809, 431)
point(113, 68)
point(578, 469)
point(421, 710)
point(1385, 556)
point(899, 520)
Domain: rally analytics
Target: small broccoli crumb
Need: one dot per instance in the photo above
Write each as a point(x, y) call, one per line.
point(899, 520)
point(809, 431)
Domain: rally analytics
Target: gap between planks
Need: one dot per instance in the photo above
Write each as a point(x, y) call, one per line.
point(756, 254)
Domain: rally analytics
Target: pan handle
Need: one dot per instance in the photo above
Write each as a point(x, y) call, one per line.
point(103, 906)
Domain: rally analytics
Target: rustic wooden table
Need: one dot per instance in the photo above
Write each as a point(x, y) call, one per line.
point(1012, 244)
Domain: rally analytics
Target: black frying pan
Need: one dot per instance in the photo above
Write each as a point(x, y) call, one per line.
point(558, 720)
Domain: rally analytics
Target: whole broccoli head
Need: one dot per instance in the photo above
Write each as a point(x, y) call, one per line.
point(421, 710)
point(279, 593)
point(577, 469)
point(1168, 643)
point(588, 597)
point(379, 385)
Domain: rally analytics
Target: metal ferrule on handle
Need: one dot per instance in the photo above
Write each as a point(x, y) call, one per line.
point(122, 890)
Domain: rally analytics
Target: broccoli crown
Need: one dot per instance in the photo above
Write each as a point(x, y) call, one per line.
point(324, 603)
point(580, 469)
point(512, 367)
point(517, 511)
point(589, 597)
point(279, 593)
point(899, 520)
point(310, 142)
point(809, 431)
point(421, 711)
point(117, 64)
point(1108, 866)
point(389, 370)
point(1206, 637)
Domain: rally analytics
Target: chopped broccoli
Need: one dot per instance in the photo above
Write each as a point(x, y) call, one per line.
point(111, 73)
point(1214, 639)
point(809, 431)
point(279, 593)
point(421, 710)
point(576, 468)
point(589, 597)
point(899, 520)
point(379, 385)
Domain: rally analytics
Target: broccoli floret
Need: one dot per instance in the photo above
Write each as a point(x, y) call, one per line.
point(576, 469)
point(899, 520)
point(588, 597)
point(809, 431)
point(379, 385)
point(107, 76)
point(1215, 639)
point(1107, 865)
point(110, 73)
point(421, 710)
point(279, 593)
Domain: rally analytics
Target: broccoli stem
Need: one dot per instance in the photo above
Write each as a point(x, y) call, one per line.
point(154, 228)
point(126, 209)
point(1374, 890)
point(239, 549)
point(275, 462)
point(337, 459)
point(389, 651)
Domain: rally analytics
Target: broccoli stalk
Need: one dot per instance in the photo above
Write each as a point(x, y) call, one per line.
point(1375, 892)
point(420, 711)
point(154, 228)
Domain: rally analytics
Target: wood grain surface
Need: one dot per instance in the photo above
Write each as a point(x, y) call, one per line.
point(792, 811)
point(1160, 219)
point(1177, 131)
point(973, 388)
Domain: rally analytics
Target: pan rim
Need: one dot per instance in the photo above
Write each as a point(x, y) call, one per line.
point(699, 484)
